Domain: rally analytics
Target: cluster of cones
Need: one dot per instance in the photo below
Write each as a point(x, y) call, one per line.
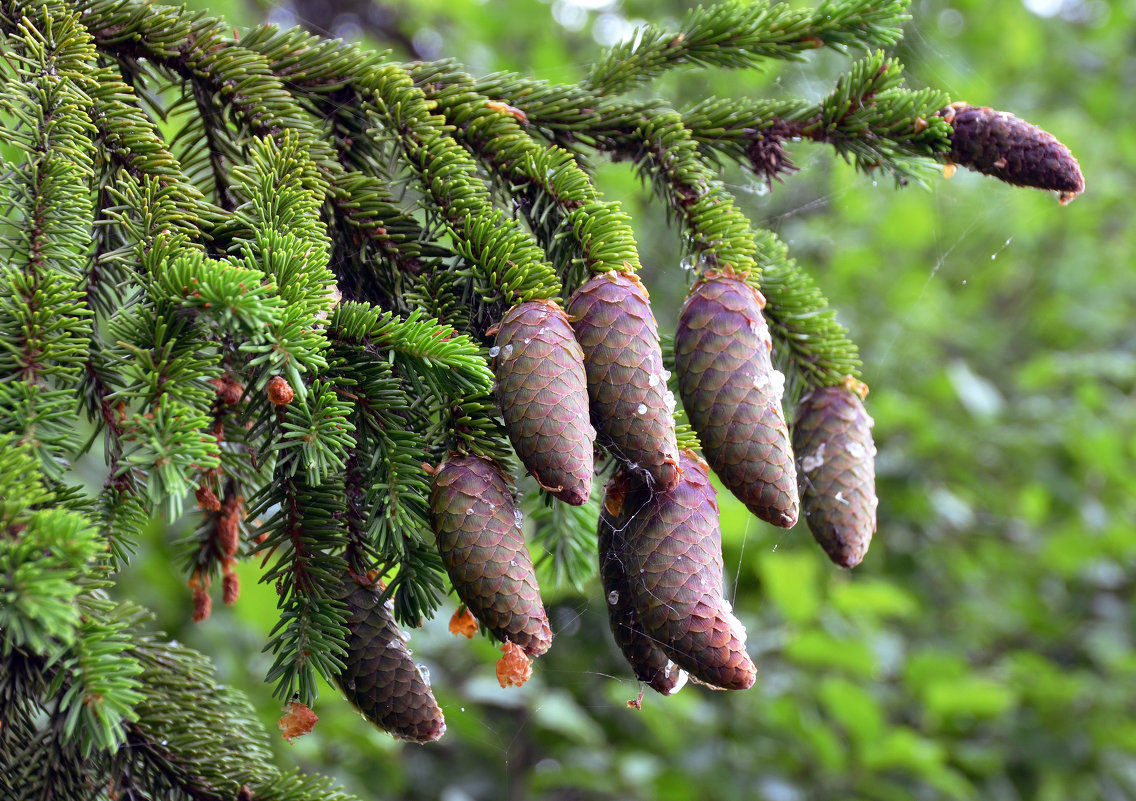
point(594, 371)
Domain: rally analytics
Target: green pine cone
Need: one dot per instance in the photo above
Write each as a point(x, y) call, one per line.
point(836, 464)
point(672, 554)
point(478, 528)
point(999, 144)
point(632, 409)
point(379, 676)
point(732, 396)
point(542, 389)
point(650, 664)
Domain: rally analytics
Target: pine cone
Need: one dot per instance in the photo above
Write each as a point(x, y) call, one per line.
point(837, 469)
point(672, 553)
point(632, 409)
point(379, 676)
point(732, 395)
point(543, 394)
point(1012, 150)
point(479, 537)
point(650, 664)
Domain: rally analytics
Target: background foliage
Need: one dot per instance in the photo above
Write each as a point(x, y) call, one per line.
point(985, 647)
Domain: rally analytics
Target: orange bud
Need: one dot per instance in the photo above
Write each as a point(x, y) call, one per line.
point(514, 668)
point(207, 499)
point(230, 587)
point(297, 721)
point(202, 604)
point(280, 392)
point(463, 623)
point(229, 524)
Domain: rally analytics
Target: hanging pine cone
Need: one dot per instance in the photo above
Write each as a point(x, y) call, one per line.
point(479, 537)
point(379, 676)
point(650, 664)
point(836, 464)
point(632, 409)
point(732, 396)
point(672, 555)
point(1012, 150)
point(543, 393)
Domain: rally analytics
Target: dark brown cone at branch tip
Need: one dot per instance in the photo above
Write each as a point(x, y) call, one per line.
point(542, 389)
point(836, 464)
point(631, 407)
point(732, 396)
point(379, 676)
point(1010, 149)
point(672, 555)
point(648, 661)
point(478, 529)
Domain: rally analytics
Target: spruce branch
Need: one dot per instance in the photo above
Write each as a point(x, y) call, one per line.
point(44, 321)
point(510, 267)
point(716, 235)
point(193, 46)
point(423, 346)
point(304, 535)
point(737, 35)
point(556, 196)
point(811, 344)
point(360, 180)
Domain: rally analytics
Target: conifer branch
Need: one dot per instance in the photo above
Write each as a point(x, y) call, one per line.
point(716, 235)
point(738, 35)
point(510, 267)
point(808, 338)
point(869, 119)
point(44, 321)
point(564, 536)
point(304, 535)
point(387, 526)
point(556, 196)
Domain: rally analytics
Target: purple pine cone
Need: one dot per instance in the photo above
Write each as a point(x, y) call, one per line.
point(649, 662)
point(732, 395)
point(542, 389)
point(479, 537)
point(1012, 150)
point(837, 467)
point(631, 407)
point(672, 556)
point(379, 676)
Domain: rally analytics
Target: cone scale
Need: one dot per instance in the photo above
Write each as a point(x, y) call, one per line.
point(833, 441)
point(543, 394)
point(631, 407)
point(478, 531)
point(671, 551)
point(732, 395)
point(379, 676)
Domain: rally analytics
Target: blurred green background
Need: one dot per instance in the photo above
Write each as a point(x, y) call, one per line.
point(984, 649)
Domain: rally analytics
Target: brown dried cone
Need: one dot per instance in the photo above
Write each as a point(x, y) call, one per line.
point(543, 393)
point(379, 676)
point(672, 552)
point(836, 464)
point(650, 664)
point(732, 395)
point(999, 144)
point(478, 528)
point(632, 409)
